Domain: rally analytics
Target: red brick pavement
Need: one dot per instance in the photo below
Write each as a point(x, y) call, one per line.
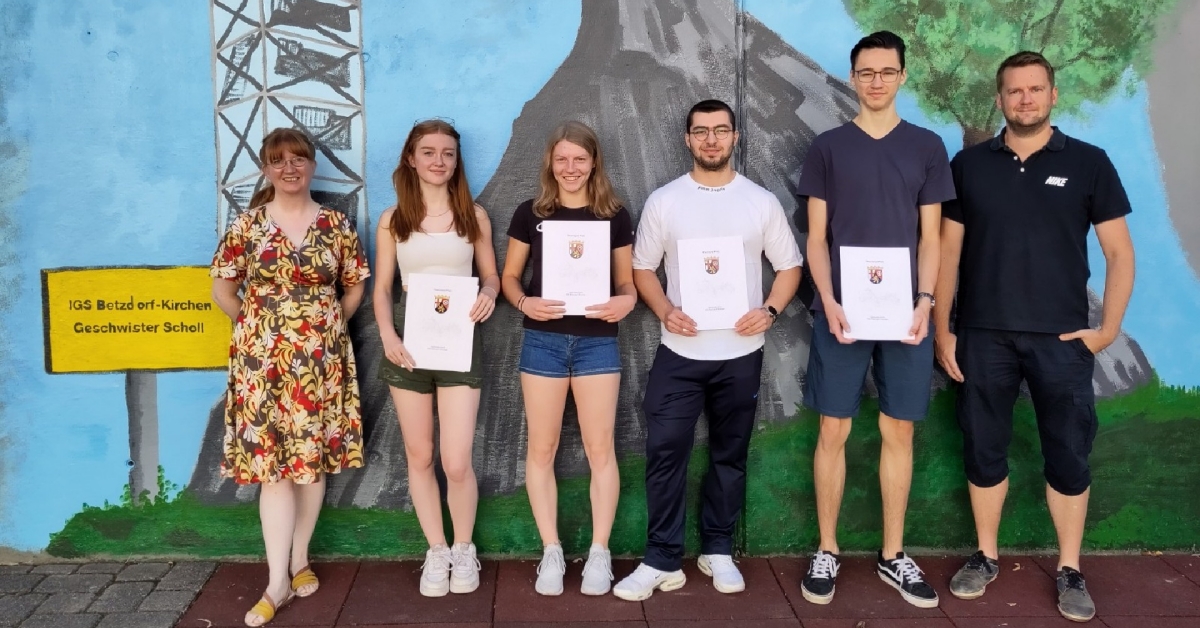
point(1130, 592)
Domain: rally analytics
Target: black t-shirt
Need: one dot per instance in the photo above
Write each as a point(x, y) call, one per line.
point(526, 227)
point(1024, 264)
point(873, 189)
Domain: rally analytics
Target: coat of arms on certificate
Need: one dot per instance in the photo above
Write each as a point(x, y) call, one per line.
point(576, 248)
point(441, 303)
point(712, 264)
point(875, 273)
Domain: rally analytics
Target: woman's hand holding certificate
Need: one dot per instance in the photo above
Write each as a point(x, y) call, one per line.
point(394, 349)
point(485, 304)
point(540, 309)
point(613, 310)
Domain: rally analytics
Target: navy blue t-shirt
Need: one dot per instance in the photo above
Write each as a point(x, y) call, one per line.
point(873, 188)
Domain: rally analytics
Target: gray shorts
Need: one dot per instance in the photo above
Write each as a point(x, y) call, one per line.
point(837, 372)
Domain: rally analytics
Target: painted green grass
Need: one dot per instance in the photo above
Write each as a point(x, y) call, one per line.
point(1145, 468)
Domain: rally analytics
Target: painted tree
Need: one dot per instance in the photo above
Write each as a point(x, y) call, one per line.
point(955, 46)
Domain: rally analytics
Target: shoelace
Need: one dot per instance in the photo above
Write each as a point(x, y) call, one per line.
point(465, 562)
point(437, 562)
point(977, 562)
point(1074, 580)
point(908, 570)
point(596, 560)
point(552, 559)
point(823, 566)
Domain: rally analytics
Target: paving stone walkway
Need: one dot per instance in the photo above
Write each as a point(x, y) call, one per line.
point(99, 595)
point(1130, 592)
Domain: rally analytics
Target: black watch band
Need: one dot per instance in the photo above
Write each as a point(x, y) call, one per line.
point(932, 302)
point(772, 311)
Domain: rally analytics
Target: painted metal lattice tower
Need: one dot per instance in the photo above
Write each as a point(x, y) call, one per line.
point(289, 63)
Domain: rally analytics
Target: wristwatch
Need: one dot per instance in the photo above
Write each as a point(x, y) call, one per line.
point(773, 312)
point(932, 302)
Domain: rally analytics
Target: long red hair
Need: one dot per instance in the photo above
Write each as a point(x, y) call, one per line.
point(410, 204)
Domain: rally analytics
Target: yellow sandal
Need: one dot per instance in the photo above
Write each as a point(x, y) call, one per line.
point(266, 608)
point(303, 578)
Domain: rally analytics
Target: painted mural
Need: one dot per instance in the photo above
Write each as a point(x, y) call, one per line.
point(129, 136)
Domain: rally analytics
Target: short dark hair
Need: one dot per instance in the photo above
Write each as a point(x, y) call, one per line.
point(711, 105)
point(1023, 59)
point(886, 40)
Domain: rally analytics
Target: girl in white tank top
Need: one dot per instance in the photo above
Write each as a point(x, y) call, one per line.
point(435, 227)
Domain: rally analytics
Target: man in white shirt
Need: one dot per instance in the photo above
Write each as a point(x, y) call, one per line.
point(717, 371)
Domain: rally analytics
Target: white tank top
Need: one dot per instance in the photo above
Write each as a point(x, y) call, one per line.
point(435, 254)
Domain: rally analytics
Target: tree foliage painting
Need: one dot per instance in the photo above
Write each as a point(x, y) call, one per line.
point(955, 46)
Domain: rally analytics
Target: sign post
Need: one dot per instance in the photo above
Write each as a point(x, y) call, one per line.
point(138, 320)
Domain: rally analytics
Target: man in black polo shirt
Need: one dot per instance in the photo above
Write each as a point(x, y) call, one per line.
point(1018, 234)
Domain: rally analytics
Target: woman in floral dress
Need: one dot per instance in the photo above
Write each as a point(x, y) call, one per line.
point(292, 411)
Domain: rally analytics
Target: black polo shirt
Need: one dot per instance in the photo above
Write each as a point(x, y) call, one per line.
point(1024, 264)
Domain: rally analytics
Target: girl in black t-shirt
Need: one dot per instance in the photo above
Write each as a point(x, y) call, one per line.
point(576, 353)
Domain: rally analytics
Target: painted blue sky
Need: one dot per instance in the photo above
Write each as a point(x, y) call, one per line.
point(116, 116)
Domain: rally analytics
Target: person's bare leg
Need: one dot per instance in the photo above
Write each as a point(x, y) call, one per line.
point(895, 479)
point(545, 399)
point(309, 498)
point(987, 504)
point(277, 512)
point(458, 407)
point(596, 399)
point(829, 477)
point(415, 411)
point(1069, 513)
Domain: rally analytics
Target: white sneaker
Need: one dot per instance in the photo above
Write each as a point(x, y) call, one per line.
point(435, 573)
point(464, 571)
point(640, 584)
point(551, 571)
point(725, 574)
point(597, 572)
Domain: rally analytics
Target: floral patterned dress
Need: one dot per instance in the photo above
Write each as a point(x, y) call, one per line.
point(292, 410)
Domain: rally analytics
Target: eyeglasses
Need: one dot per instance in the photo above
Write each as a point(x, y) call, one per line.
point(296, 162)
point(888, 75)
point(701, 132)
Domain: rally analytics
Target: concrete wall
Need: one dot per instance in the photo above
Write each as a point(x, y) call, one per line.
point(126, 140)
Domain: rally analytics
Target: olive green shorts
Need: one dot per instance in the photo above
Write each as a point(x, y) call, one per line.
point(425, 381)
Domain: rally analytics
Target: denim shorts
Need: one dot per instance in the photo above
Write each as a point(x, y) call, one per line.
point(548, 354)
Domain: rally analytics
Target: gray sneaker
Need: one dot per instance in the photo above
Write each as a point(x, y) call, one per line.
point(972, 579)
point(1074, 602)
point(597, 572)
point(551, 571)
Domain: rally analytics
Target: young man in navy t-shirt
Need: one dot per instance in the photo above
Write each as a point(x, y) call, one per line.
point(876, 181)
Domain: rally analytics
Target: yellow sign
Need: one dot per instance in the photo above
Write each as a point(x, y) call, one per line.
point(132, 318)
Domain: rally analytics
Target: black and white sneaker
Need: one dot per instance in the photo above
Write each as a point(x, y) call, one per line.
point(904, 575)
point(820, 582)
